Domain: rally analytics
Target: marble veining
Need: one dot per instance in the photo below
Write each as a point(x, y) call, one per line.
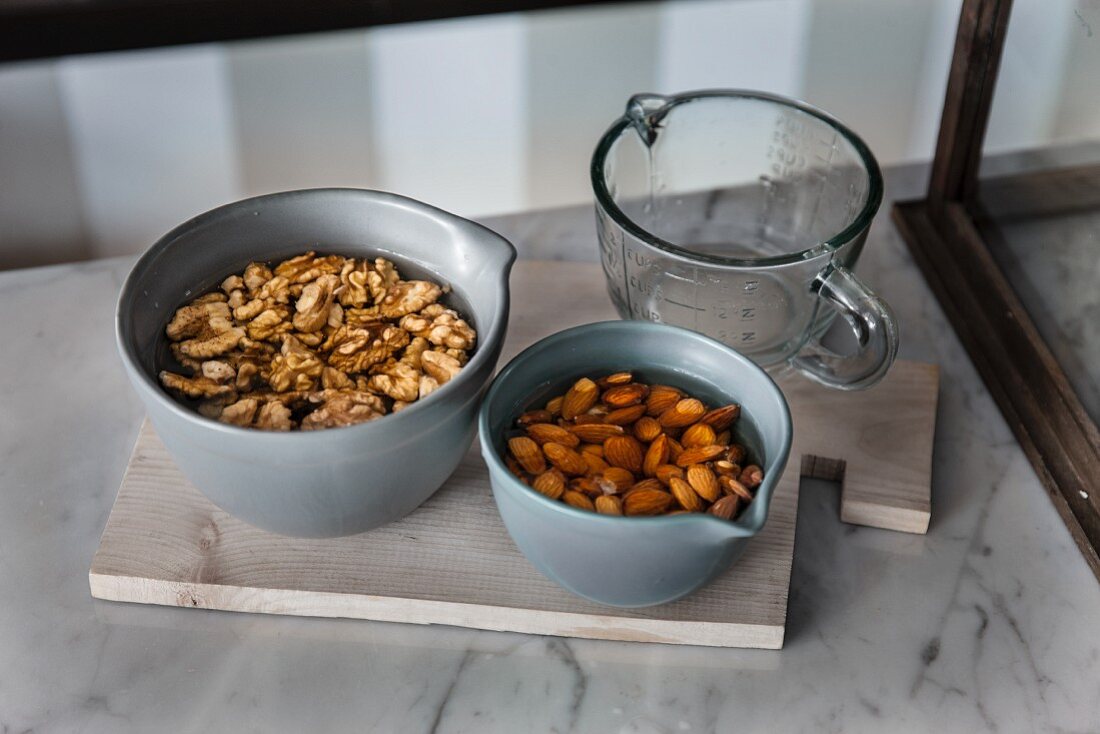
point(985, 624)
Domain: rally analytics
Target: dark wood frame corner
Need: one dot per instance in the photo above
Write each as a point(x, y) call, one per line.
point(949, 238)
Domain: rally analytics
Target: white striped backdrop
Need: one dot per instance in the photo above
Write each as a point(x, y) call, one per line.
point(99, 155)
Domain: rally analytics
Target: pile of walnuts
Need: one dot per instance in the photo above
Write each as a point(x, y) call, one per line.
point(319, 341)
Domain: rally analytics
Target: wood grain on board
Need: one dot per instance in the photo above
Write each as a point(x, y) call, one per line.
point(452, 562)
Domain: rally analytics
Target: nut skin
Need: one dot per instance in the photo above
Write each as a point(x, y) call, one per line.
point(595, 432)
point(618, 378)
point(565, 459)
point(543, 433)
point(699, 434)
point(725, 508)
point(703, 481)
point(665, 472)
point(579, 398)
point(646, 502)
point(625, 416)
point(550, 483)
point(720, 418)
point(621, 478)
point(655, 455)
point(578, 500)
point(646, 484)
point(624, 396)
point(683, 413)
point(685, 495)
point(752, 476)
point(647, 429)
point(624, 452)
point(528, 454)
point(609, 505)
point(535, 416)
point(731, 486)
point(699, 454)
point(661, 398)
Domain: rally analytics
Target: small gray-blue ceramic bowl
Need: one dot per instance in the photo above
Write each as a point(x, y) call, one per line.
point(632, 561)
point(338, 481)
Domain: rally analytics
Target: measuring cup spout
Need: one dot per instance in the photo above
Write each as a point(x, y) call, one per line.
point(645, 112)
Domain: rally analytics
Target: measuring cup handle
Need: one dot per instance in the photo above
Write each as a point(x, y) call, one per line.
point(875, 328)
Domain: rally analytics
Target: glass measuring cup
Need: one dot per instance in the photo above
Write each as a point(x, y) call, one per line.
point(740, 215)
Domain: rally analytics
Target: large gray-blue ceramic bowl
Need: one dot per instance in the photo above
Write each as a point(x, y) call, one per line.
point(338, 481)
point(632, 561)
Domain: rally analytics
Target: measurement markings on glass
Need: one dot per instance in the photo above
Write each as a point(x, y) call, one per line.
point(684, 305)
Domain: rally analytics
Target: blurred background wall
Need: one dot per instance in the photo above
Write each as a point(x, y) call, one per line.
point(99, 155)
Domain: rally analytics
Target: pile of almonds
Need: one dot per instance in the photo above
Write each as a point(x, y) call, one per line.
point(620, 447)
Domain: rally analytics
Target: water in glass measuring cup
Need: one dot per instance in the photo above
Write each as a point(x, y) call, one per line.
point(761, 314)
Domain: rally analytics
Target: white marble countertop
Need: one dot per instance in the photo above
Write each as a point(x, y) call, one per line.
point(986, 623)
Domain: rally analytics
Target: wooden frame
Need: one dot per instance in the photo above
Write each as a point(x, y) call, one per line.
point(949, 234)
point(48, 28)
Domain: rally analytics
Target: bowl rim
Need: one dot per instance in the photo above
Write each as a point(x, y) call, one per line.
point(488, 339)
point(737, 528)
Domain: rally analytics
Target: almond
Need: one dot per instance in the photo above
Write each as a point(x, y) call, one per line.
point(734, 488)
point(550, 483)
point(674, 449)
point(621, 478)
point(736, 454)
point(682, 413)
point(553, 406)
point(535, 416)
point(703, 481)
point(661, 398)
point(724, 438)
point(585, 485)
point(597, 449)
point(655, 455)
point(579, 398)
point(646, 502)
point(565, 458)
point(515, 468)
point(619, 378)
point(685, 495)
point(699, 454)
point(666, 471)
point(752, 476)
point(609, 505)
point(596, 464)
point(587, 419)
point(595, 432)
point(622, 396)
point(699, 434)
point(624, 416)
point(623, 451)
point(528, 454)
point(605, 485)
point(720, 418)
point(647, 429)
point(726, 468)
point(578, 500)
point(644, 485)
point(543, 433)
point(725, 507)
